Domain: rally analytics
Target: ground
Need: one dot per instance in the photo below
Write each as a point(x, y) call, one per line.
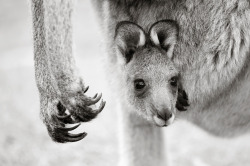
point(24, 140)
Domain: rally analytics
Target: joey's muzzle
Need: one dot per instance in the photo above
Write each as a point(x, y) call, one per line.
point(163, 117)
point(163, 107)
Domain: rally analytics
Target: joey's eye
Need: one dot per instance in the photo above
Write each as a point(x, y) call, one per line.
point(139, 84)
point(174, 81)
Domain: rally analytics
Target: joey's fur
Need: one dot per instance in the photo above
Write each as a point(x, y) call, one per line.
point(148, 75)
point(211, 55)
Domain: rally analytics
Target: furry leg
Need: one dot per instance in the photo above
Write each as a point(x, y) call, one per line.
point(141, 144)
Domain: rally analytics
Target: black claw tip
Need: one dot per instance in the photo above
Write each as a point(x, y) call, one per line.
point(86, 89)
point(102, 105)
point(94, 100)
point(95, 95)
point(62, 117)
point(75, 137)
point(97, 98)
point(69, 128)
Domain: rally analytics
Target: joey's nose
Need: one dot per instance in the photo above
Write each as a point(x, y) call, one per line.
point(164, 114)
point(163, 118)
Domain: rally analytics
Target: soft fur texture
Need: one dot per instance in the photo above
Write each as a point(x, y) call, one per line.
point(147, 59)
point(212, 54)
point(57, 78)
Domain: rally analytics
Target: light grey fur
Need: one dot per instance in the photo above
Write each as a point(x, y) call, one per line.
point(57, 78)
point(54, 64)
point(212, 54)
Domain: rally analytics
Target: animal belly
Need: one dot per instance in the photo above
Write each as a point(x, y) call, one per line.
point(228, 115)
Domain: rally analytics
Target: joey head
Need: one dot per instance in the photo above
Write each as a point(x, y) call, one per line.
point(151, 80)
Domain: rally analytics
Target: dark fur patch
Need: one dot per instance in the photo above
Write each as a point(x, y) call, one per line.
point(216, 57)
point(182, 100)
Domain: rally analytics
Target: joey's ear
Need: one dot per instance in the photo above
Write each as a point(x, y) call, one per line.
point(164, 33)
point(128, 37)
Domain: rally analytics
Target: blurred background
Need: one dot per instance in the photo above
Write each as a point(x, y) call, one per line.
point(23, 138)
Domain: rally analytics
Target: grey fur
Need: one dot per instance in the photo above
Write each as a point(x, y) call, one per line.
point(212, 54)
point(57, 78)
